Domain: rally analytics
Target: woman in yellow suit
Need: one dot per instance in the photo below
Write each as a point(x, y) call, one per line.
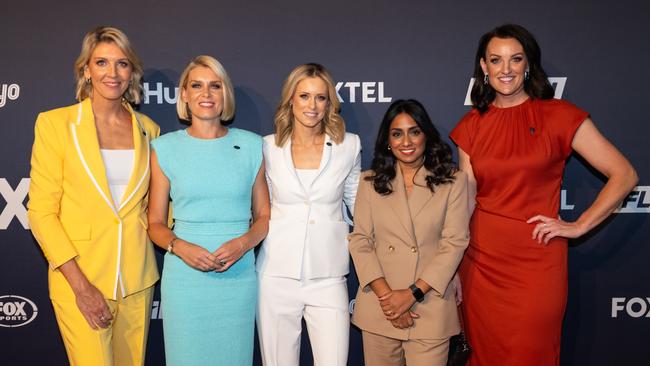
point(87, 206)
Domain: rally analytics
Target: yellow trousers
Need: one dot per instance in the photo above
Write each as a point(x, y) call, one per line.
point(123, 343)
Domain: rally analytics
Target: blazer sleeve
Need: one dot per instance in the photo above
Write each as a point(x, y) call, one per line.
point(351, 184)
point(454, 238)
point(45, 192)
point(362, 239)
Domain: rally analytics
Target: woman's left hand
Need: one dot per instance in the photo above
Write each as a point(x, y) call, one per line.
point(396, 303)
point(229, 253)
point(548, 228)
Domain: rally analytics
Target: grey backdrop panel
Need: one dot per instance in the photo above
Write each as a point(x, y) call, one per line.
point(378, 51)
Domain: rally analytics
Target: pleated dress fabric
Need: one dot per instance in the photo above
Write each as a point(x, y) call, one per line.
point(515, 289)
point(209, 317)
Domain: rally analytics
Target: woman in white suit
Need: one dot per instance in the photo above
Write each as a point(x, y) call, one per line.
point(313, 167)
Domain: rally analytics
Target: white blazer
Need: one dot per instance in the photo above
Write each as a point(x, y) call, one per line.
point(307, 236)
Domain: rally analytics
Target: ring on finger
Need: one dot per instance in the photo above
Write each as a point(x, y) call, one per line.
point(102, 318)
point(222, 262)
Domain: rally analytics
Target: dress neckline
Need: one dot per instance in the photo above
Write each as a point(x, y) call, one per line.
point(220, 138)
point(526, 102)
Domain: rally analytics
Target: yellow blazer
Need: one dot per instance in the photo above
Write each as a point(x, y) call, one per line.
point(71, 211)
point(402, 240)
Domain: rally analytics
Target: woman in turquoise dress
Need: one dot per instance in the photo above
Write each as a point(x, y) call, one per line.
point(215, 178)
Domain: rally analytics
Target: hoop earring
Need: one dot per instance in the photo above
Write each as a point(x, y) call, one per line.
point(388, 148)
point(485, 79)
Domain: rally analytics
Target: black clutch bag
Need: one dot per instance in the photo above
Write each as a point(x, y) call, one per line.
point(459, 350)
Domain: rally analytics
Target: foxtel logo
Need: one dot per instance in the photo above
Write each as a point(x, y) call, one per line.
point(638, 201)
point(347, 92)
point(557, 82)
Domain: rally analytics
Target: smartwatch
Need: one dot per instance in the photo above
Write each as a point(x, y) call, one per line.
point(417, 293)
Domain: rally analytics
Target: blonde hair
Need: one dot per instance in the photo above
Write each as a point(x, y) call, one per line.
point(228, 111)
point(133, 93)
point(333, 124)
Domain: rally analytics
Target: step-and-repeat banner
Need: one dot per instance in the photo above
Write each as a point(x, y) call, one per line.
point(595, 52)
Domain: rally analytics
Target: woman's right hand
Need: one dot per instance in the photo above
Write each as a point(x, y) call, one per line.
point(196, 256)
point(92, 305)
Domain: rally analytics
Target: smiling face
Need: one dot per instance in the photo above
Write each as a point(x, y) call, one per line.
point(505, 65)
point(406, 140)
point(309, 102)
point(203, 94)
point(109, 71)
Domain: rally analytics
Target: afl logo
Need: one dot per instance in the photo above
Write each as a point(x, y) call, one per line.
point(16, 311)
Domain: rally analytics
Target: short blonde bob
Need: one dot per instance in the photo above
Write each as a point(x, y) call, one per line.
point(228, 111)
point(96, 36)
point(333, 124)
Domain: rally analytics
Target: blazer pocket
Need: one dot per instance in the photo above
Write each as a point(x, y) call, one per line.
point(78, 231)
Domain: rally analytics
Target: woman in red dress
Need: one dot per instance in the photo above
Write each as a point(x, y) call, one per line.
point(513, 145)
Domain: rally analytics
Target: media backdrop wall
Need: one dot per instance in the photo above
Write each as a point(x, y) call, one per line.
point(596, 53)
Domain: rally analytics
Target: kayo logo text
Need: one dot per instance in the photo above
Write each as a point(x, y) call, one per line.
point(8, 92)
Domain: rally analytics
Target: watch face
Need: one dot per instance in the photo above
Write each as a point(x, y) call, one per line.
point(417, 293)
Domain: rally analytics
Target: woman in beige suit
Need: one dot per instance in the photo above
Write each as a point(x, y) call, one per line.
point(410, 232)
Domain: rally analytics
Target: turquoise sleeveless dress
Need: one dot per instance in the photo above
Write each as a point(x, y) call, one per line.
point(209, 317)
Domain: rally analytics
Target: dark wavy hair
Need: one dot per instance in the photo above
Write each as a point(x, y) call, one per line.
point(437, 153)
point(537, 84)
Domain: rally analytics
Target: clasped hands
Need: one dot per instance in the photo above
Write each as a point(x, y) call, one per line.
point(201, 259)
point(396, 306)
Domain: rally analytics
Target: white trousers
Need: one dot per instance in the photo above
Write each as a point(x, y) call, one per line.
point(284, 302)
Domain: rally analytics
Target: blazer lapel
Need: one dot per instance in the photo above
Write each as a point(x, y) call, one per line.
point(324, 159)
point(420, 195)
point(398, 202)
point(86, 143)
point(140, 171)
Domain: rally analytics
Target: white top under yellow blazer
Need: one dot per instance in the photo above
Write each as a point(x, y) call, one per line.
point(72, 214)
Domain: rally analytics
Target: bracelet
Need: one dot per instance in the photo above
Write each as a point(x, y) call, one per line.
point(170, 246)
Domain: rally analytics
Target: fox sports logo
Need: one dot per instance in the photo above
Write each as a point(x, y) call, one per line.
point(16, 311)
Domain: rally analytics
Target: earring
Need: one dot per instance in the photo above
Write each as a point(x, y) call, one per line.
point(88, 81)
point(526, 75)
point(485, 79)
point(389, 148)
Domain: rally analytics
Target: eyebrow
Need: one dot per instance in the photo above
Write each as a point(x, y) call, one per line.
point(410, 128)
point(516, 54)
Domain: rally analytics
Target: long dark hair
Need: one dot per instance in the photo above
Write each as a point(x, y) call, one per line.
point(537, 84)
point(437, 153)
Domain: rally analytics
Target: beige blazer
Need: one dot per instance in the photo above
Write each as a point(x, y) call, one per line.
point(402, 240)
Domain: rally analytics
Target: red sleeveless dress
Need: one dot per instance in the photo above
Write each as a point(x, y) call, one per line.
point(515, 289)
